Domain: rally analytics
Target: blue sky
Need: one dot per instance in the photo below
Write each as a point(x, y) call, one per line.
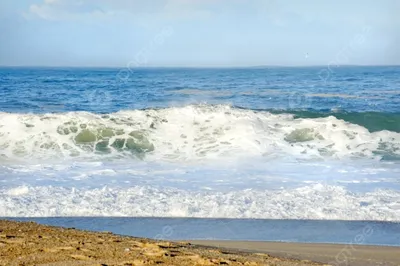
point(199, 32)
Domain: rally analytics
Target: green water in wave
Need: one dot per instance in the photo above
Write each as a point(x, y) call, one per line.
point(373, 121)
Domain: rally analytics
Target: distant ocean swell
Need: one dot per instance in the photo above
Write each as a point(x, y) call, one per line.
point(198, 132)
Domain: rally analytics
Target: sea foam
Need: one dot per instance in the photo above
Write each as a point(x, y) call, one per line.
point(191, 133)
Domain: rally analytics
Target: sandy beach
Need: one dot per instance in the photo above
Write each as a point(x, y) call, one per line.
point(29, 243)
point(331, 254)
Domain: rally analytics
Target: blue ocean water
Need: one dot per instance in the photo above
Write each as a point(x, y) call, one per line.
point(267, 142)
point(303, 231)
point(101, 90)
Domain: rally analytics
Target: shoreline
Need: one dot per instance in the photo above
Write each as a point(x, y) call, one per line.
point(30, 243)
point(332, 254)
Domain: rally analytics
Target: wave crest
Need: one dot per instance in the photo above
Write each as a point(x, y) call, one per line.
point(190, 133)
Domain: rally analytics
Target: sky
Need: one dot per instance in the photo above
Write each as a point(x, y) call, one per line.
point(199, 33)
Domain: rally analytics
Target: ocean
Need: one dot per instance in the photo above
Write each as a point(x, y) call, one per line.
point(318, 143)
point(375, 233)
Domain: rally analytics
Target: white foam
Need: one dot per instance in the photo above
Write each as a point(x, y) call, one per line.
point(208, 161)
point(18, 191)
point(309, 202)
point(193, 133)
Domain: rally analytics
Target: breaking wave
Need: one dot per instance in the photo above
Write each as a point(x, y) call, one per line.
point(196, 132)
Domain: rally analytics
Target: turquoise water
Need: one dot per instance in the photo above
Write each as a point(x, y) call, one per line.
point(284, 143)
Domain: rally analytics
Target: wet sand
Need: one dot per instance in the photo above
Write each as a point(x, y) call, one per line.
point(28, 243)
point(332, 254)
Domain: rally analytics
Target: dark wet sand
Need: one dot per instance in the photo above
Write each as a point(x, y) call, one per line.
point(332, 254)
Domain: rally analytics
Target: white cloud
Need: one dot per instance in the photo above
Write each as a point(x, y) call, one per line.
point(67, 10)
point(50, 1)
point(157, 9)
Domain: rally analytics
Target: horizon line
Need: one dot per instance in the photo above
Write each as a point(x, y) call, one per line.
point(199, 67)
